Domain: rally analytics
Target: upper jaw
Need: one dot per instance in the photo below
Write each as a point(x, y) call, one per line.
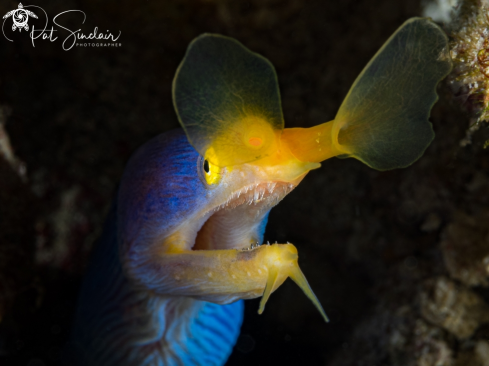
point(257, 193)
point(239, 205)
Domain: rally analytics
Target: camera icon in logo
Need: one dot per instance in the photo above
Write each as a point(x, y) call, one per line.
point(20, 17)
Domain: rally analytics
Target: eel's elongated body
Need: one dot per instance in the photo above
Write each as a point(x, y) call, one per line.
point(120, 323)
point(180, 249)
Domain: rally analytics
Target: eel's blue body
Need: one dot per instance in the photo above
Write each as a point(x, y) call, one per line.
point(121, 323)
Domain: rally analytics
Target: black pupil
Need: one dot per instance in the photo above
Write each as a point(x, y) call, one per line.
point(206, 166)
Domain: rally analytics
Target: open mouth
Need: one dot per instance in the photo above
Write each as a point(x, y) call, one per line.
point(238, 223)
point(213, 271)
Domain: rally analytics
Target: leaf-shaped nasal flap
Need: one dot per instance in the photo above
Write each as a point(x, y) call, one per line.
point(383, 121)
point(228, 101)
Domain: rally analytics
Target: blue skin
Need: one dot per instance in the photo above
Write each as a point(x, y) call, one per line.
point(119, 321)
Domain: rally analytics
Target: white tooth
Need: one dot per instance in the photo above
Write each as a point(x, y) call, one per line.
point(271, 187)
point(256, 195)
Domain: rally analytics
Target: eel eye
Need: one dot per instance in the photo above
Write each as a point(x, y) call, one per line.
point(210, 174)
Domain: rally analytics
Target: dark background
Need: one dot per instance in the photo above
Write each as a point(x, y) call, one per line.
point(396, 258)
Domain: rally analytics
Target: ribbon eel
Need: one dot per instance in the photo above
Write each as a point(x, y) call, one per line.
point(180, 249)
